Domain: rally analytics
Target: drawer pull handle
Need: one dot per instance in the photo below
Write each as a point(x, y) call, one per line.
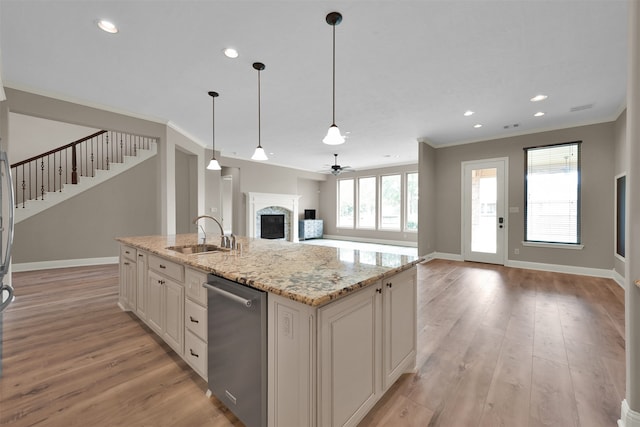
point(389, 285)
point(193, 354)
point(379, 290)
point(162, 266)
point(194, 320)
point(140, 255)
point(161, 282)
point(126, 263)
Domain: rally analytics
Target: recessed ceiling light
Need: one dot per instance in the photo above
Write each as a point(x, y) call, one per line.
point(230, 52)
point(107, 26)
point(538, 98)
point(477, 125)
point(468, 113)
point(539, 114)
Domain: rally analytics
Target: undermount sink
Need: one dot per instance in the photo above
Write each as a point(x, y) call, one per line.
point(196, 249)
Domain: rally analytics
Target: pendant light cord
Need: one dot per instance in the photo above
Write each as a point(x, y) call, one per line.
point(213, 129)
point(334, 75)
point(259, 132)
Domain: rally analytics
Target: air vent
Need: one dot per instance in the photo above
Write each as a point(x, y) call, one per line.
point(515, 125)
point(581, 107)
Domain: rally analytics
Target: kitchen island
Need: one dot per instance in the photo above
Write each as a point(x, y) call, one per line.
point(341, 323)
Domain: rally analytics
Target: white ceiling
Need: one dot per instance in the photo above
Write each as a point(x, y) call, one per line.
point(405, 70)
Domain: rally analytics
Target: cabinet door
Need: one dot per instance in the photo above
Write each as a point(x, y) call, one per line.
point(155, 285)
point(399, 301)
point(127, 283)
point(350, 358)
point(141, 282)
point(173, 332)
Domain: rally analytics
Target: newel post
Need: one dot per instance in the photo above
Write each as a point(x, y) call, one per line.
point(74, 167)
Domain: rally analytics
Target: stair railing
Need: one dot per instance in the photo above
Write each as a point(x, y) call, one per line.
point(33, 178)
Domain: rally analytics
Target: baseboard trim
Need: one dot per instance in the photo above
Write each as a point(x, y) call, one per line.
point(376, 241)
point(558, 268)
point(447, 256)
point(619, 278)
point(628, 417)
point(63, 263)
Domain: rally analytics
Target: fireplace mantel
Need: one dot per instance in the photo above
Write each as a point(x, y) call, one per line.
point(258, 201)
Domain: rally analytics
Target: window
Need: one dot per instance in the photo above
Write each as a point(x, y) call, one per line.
point(367, 202)
point(345, 203)
point(552, 189)
point(390, 204)
point(411, 209)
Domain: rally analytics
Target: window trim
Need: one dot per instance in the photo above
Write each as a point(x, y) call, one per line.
point(578, 244)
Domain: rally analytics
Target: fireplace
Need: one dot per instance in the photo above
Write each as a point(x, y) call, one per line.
point(260, 204)
point(272, 226)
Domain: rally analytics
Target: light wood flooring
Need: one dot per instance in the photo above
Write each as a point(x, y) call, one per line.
point(496, 347)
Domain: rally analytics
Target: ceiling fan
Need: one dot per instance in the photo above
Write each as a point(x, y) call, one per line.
point(336, 169)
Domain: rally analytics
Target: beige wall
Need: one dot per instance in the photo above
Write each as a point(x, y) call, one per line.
point(186, 185)
point(427, 200)
point(31, 136)
point(328, 209)
point(620, 167)
point(597, 172)
point(258, 177)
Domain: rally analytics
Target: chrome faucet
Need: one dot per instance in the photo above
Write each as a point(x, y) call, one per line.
point(223, 239)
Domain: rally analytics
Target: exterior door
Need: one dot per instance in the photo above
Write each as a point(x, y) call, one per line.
point(484, 223)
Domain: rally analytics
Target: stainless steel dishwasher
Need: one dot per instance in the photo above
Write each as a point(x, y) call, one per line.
point(238, 348)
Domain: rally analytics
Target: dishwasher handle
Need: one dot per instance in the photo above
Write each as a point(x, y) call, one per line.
point(245, 302)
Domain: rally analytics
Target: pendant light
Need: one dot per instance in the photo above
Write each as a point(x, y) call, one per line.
point(333, 135)
point(213, 164)
point(259, 154)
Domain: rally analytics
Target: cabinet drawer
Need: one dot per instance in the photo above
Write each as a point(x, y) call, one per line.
point(168, 268)
point(193, 284)
point(195, 319)
point(128, 252)
point(195, 353)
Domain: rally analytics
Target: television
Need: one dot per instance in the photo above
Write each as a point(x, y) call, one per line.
point(309, 214)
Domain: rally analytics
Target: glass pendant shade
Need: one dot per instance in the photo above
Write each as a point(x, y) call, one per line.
point(213, 165)
point(333, 136)
point(259, 154)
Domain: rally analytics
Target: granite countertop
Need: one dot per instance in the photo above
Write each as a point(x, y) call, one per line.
point(310, 274)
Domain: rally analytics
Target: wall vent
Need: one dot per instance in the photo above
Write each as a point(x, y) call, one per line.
point(581, 107)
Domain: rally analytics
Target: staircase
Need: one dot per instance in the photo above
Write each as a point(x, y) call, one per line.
point(50, 178)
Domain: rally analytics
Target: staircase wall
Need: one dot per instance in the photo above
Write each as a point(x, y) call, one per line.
point(85, 226)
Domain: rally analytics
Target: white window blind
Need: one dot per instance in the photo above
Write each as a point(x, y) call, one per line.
point(552, 211)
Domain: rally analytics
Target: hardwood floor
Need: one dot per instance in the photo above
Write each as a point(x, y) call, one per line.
point(496, 347)
point(510, 347)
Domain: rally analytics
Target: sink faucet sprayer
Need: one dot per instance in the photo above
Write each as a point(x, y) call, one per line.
point(225, 242)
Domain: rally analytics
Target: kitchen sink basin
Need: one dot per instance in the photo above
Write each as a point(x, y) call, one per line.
point(196, 249)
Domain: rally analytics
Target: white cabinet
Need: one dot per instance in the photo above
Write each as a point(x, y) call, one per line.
point(141, 282)
point(350, 358)
point(195, 321)
point(173, 331)
point(365, 342)
point(400, 318)
point(128, 278)
point(165, 301)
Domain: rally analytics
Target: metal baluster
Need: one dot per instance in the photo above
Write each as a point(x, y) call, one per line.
point(107, 149)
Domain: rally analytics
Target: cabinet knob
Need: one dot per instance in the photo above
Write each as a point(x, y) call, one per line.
point(379, 290)
point(389, 285)
point(161, 282)
point(193, 354)
point(193, 320)
point(126, 252)
point(162, 266)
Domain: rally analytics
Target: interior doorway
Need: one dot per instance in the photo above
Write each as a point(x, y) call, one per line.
point(484, 198)
point(227, 203)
